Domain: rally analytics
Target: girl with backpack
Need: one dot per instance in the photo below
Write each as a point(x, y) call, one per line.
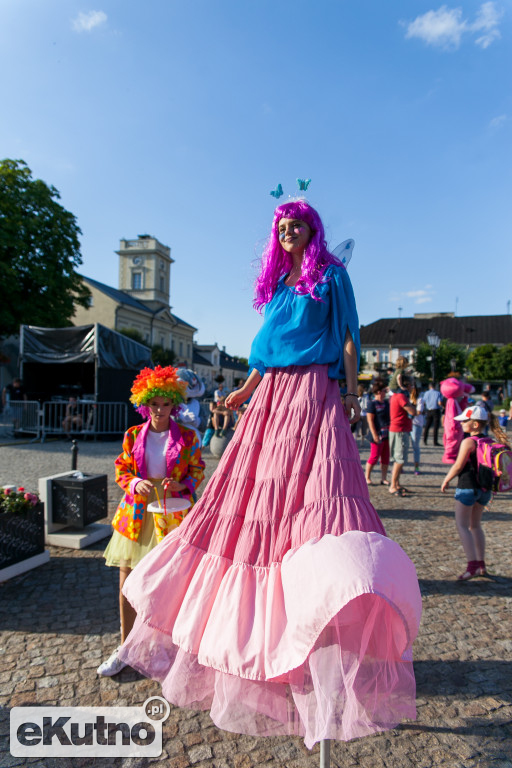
point(470, 497)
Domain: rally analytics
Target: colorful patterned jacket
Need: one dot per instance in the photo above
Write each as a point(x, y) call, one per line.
point(184, 464)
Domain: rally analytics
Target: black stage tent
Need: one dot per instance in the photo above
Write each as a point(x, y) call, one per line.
point(87, 361)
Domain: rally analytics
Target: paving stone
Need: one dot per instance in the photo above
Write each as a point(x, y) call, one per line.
point(53, 640)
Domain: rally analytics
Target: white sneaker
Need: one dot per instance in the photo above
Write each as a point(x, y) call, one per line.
point(112, 665)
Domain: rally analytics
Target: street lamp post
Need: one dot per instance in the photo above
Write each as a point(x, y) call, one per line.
point(434, 342)
point(453, 364)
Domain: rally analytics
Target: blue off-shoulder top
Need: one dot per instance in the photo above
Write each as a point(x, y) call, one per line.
point(297, 330)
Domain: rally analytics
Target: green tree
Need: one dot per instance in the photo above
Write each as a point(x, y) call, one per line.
point(446, 352)
point(505, 362)
point(39, 251)
point(134, 334)
point(483, 362)
point(161, 356)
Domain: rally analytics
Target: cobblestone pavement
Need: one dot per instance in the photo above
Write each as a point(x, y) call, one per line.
point(61, 620)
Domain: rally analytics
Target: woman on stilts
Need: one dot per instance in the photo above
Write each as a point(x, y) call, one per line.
point(279, 604)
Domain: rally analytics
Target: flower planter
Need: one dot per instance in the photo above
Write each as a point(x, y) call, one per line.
point(21, 536)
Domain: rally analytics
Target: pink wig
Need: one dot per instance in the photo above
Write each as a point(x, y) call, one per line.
point(276, 262)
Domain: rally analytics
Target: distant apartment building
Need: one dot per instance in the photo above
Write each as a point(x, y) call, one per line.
point(383, 341)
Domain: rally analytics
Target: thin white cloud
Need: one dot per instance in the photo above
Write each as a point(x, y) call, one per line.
point(498, 121)
point(419, 295)
point(86, 22)
point(487, 21)
point(445, 27)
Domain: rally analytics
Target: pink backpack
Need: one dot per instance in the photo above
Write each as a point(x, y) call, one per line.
point(494, 465)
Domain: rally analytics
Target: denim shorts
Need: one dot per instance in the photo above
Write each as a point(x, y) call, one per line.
point(469, 496)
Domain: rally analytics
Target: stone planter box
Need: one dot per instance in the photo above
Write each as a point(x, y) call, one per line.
point(21, 541)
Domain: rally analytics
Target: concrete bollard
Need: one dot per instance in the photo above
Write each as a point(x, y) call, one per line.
point(219, 444)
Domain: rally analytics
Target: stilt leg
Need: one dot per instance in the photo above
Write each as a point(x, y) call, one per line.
point(325, 753)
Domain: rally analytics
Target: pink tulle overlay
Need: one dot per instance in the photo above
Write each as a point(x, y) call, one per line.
point(279, 603)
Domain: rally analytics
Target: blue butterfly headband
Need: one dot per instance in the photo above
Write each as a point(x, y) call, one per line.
point(302, 183)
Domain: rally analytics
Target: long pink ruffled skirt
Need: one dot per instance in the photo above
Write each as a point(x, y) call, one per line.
point(279, 603)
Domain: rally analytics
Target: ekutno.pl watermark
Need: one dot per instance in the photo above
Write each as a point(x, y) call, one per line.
point(89, 731)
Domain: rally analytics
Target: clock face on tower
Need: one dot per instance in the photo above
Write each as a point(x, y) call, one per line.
point(137, 259)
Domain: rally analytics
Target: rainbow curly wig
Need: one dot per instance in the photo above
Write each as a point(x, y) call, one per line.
point(158, 382)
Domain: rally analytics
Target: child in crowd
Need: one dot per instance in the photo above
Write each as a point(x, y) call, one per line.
point(418, 423)
point(503, 418)
point(397, 379)
point(159, 452)
point(377, 415)
point(470, 498)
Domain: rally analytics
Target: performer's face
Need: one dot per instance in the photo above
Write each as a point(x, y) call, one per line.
point(294, 235)
point(160, 408)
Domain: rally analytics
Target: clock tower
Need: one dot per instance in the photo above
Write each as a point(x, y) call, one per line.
point(145, 269)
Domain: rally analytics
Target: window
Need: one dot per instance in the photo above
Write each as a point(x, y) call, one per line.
point(385, 357)
point(162, 284)
point(181, 348)
point(90, 301)
point(162, 341)
point(136, 281)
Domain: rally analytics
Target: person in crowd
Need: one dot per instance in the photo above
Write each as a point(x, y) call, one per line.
point(378, 426)
point(503, 419)
point(73, 419)
point(189, 412)
point(219, 392)
point(399, 375)
point(470, 498)
point(418, 423)
point(210, 430)
point(222, 418)
point(249, 608)
point(158, 453)
point(360, 428)
point(13, 392)
point(432, 404)
point(486, 401)
point(400, 426)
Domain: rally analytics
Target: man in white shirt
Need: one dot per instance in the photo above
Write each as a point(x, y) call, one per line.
point(219, 392)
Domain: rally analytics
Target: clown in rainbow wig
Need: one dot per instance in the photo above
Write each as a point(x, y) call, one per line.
point(160, 458)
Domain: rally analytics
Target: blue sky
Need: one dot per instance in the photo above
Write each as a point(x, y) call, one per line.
point(177, 117)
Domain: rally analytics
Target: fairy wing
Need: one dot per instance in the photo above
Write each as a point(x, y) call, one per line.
point(343, 251)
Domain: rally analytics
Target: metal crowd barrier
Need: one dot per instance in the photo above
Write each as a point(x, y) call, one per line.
point(22, 416)
point(83, 417)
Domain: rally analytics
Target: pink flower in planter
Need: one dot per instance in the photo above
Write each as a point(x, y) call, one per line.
point(7, 491)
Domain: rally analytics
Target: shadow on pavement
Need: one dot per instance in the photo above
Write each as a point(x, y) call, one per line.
point(486, 586)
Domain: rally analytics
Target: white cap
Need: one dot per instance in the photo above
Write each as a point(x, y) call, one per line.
point(473, 412)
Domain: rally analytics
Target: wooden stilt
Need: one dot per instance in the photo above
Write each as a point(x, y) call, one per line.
point(325, 753)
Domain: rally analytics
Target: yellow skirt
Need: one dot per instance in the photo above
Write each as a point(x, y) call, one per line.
point(122, 552)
